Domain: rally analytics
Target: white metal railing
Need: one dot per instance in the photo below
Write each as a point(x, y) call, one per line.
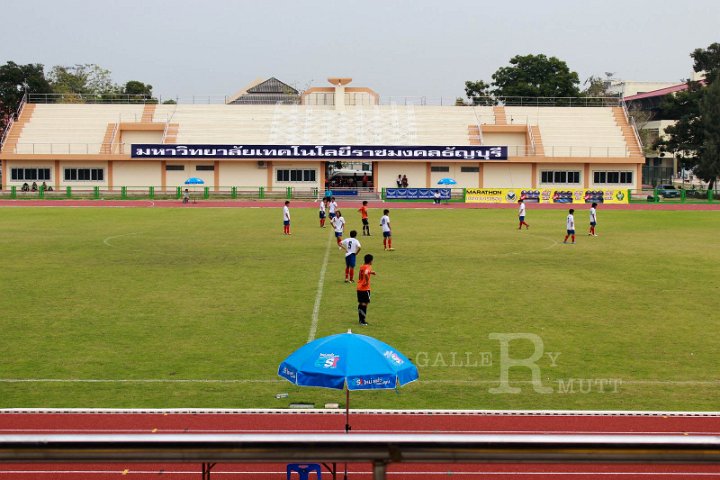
point(379, 450)
point(12, 120)
point(595, 151)
point(632, 123)
point(531, 136)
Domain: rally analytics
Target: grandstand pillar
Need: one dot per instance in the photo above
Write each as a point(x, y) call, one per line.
point(481, 172)
point(428, 175)
point(376, 176)
point(163, 175)
point(268, 182)
point(3, 185)
point(533, 175)
point(638, 177)
point(57, 174)
point(110, 174)
point(216, 171)
point(586, 176)
point(339, 84)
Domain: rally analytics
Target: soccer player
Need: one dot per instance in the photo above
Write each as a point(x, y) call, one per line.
point(364, 216)
point(363, 288)
point(521, 215)
point(593, 220)
point(352, 247)
point(286, 218)
point(321, 212)
point(339, 223)
point(387, 232)
point(332, 207)
point(570, 224)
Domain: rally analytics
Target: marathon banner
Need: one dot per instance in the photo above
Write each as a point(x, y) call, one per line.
point(416, 193)
point(546, 195)
point(320, 152)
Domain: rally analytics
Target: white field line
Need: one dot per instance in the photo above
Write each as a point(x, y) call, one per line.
point(318, 295)
point(438, 382)
point(107, 240)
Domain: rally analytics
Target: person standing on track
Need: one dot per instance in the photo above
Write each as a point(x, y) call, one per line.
point(593, 220)
point(352, 247)
point(286, 218)
point(364, 216)
point(521, 215)
point(363, 288)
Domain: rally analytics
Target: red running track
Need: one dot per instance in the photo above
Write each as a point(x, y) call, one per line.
point(233, 422)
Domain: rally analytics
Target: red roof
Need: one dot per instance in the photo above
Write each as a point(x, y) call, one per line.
point(658, 93)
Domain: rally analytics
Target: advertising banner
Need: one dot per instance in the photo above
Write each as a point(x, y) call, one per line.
point(416, 193)
point(546, 195)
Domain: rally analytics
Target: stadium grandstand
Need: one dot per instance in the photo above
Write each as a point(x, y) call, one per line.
point(87, 145)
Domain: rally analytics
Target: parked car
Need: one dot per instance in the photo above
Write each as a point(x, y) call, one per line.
point(668, 191)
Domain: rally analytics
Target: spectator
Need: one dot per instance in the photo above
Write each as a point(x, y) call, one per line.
point(399, 181)
point(34, 187)
point(365, 181)
point(404, 181)
point(25, 187)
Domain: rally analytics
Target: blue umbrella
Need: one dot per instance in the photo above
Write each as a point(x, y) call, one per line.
point(446, 181)
point(348, 360)
point(194, 181)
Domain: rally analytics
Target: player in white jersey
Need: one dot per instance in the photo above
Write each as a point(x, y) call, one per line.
point(352, 247)
point(521, 215)
point(570, 224)
point(339, 224)
point(321, 211)
point(593, 220)
point(332, 208)
point(286, 218)
point(387, 232)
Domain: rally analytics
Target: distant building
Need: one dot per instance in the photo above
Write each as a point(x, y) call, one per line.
point(266, 92)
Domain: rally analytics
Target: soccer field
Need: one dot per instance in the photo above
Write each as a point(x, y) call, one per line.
point(164, 308)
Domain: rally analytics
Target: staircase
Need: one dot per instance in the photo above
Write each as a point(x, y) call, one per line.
point(17, 128)
point(171, 133)
point(634, 148)
point(474, 135)
point(539, 149)
point(108, 138)
point(148, 113)
point(500, 116)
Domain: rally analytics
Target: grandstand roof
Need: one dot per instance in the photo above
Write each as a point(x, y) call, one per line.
point(269, 91)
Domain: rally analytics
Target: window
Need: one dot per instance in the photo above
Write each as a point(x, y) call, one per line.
point(30, 174)
point(170, 168)
point(560, 176)
point(205, 168)
point(439, 169)
point(470, 169)
point(625, 177)
point(283, 175)
point(84, 174)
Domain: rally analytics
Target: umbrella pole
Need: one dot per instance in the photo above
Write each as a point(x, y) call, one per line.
point(347, 422)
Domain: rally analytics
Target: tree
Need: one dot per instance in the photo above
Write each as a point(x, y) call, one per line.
point(133, 87)
point(478, 92)
point(88, 79)
point(535, 76)
point(15, 80)
point(695, 137)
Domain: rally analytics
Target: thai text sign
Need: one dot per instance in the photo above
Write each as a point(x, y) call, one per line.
point(323, 152)
point(546, 195)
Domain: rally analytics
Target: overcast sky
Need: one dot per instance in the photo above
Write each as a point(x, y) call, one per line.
point(397, 47)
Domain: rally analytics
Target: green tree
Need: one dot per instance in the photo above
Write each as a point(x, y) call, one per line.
point(14, 81)
point(535, 76)
point(133, 87)
point(478, 92)
point(695, 137)
point(87, 79)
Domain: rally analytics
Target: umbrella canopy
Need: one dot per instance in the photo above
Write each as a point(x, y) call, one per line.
point(357, 362)
point(446, 181)
point(194, 181)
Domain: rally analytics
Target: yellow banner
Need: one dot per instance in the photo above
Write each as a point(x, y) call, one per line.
point(546, 195)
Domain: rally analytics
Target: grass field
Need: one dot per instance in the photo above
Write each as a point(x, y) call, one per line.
point(197, 307)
